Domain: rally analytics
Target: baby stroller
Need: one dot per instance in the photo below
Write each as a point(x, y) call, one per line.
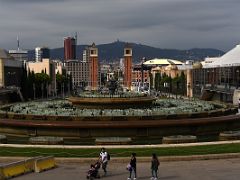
point(93, 171)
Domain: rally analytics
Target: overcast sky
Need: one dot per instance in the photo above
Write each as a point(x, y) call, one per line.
point(179, 24)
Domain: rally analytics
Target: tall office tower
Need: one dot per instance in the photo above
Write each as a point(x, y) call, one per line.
point(69, 48)
point(94, 67)
point(86, 54)
point(127, 66)
point(42, 53)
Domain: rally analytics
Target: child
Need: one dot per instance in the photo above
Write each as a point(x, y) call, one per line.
point(93, 171)
point(154, 166)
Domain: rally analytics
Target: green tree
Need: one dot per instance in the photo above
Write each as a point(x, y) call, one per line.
point(42, 81)
point(24, 83)
point(182, 83)
point(157, 82)
point(151, 80)
point(62, 82)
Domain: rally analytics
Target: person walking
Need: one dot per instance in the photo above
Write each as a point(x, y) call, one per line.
point(154, 166)
point(133, 165)
point(104, 160)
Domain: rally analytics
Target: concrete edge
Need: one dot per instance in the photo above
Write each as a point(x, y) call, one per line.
point(120, 146)
point(139, 159)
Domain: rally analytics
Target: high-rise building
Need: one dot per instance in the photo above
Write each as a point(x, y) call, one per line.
point(69, 48)
point(86, 54)
point(127, 67)
point(79, 71)
point(42, 53)
point(94, 71)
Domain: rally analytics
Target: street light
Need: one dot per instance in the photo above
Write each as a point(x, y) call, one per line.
point(237, 71)
point(166, 85)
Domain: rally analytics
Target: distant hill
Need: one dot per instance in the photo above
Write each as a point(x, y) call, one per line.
point(114, 51)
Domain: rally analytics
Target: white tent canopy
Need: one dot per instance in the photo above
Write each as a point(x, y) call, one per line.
point(231, 58)
point(162, 62)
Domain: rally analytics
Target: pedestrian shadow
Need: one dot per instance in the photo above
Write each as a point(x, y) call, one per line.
point(161, 177)
point(168, 177)
point(115, 174)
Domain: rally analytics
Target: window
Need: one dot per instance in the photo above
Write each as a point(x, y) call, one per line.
point(128, 51)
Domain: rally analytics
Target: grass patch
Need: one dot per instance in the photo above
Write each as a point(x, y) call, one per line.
point(122, 152)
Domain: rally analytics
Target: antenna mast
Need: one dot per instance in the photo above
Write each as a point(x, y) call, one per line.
point(18, 43)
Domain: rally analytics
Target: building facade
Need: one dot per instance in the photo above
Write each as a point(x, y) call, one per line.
point(218, 78)
point(47, 66)
point(42, 53)
point(86, 54)
point(20, 55)
point(79, 71)
point(69, 48)
point(10, 70)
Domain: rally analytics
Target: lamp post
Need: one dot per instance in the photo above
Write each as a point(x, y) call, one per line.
point(165, 84)
point(237, 71)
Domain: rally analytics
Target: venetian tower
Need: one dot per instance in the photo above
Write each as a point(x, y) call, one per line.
point(127, 67)
point(93, 67)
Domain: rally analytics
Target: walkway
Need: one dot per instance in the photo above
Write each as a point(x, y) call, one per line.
point(181, 170)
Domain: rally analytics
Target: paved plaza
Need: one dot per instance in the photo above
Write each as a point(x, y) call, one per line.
point(223, 169)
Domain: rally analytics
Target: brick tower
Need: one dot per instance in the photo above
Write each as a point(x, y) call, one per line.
point(93, 67)
point(69, 48)
point(127, 67)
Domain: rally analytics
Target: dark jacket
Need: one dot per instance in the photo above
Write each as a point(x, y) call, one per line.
point(133, 162)
point(155, 164)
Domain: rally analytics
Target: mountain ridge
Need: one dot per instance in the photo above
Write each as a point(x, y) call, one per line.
point(110, 52)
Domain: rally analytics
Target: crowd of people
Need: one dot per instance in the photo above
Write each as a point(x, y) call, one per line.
point(104, 157)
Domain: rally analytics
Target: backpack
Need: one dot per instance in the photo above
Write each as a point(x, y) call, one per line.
point(108, 156)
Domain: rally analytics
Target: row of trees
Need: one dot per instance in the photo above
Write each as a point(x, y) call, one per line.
point(38, 85)
point(167, 84)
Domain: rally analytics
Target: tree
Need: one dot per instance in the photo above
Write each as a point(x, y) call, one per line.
point(151, 80)
point(182, 83)
point(157, 82)
point(24, 83)
point(42, 81)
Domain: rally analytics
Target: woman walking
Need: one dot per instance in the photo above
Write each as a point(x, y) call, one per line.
point(154, 166)
point(133, 165)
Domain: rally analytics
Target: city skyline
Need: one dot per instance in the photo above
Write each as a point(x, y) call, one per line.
point(171, 24)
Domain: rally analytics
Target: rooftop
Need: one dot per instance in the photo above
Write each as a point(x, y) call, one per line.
point(163, 62)
point(231, 58)
point(4, 54)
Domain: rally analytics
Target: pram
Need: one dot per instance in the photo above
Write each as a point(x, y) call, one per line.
point(93, 171)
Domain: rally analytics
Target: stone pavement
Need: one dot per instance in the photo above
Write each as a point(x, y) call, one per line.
point(221, 169)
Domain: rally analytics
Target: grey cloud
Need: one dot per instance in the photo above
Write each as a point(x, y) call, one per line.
point(161, 23)
point(31, 1)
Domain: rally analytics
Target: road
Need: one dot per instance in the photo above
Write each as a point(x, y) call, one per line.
point(222, 169)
